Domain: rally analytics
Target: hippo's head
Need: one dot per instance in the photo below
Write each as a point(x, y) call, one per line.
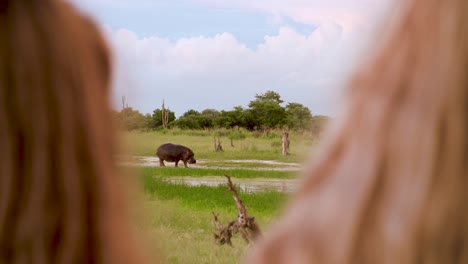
point(191, 160)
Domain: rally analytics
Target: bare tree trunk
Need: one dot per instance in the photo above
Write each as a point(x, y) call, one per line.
point(285, 143)
point(220, 148)
point(165, 115)
point(124, 103)
point(217, 145)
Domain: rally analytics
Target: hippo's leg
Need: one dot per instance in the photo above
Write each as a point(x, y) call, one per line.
point(176, 163)
point(161, 163)
point(185, 163)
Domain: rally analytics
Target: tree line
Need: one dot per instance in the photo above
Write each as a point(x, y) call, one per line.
point(265, 112)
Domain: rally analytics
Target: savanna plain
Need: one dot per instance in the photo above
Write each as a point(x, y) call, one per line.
point(172, 207)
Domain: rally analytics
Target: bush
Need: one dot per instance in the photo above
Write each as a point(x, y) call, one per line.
point(130, 119)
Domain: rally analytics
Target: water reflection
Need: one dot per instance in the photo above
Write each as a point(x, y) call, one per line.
point(246, 185)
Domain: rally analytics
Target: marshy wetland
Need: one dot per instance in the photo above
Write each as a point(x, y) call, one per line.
point(174, 210)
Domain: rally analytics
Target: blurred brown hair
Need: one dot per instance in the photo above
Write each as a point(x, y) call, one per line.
point(59, 198)
point(390, 185)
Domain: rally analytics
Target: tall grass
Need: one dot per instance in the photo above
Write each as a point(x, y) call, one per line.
point(247, 145)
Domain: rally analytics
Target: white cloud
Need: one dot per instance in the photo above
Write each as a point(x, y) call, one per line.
point(351, 15)
point(220, 72)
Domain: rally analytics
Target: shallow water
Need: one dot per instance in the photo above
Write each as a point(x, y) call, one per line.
point(149, 161)
point(246, 185)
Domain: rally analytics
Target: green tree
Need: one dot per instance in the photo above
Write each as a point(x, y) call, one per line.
point(224, 119)
point(193, 119)
point(210, 112)
point(269, 96)
point(207, 118)
point(130, 119)
point(242, 117)
point(230, 119)
point(187, 122)
point(191, 112)
point(266, 110)
point(205, 121)
point(298, 116)
point(156, 118)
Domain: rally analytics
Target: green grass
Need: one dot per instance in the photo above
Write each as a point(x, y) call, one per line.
point(176, 219)
point(253, 165)
point(211, 198)
point(260, 147)
point(177, 234)
point(198, 172)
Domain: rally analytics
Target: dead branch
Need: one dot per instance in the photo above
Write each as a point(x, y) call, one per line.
point(124, 102)
point(216, 222)
point(165, 115)
point(285, 143)
point(245, 224)
point(217, 145)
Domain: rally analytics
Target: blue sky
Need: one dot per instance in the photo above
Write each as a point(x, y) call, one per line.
point(219, 53)
point(177, 19)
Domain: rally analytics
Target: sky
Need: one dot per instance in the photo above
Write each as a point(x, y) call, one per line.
point(218, 54)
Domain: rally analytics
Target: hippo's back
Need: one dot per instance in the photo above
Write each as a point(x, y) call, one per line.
point(171, 150)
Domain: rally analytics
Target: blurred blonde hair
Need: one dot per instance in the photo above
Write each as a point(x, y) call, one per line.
point(59, 191)
point(390, 183)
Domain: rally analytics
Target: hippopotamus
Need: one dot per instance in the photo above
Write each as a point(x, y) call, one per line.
point(173, 153)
